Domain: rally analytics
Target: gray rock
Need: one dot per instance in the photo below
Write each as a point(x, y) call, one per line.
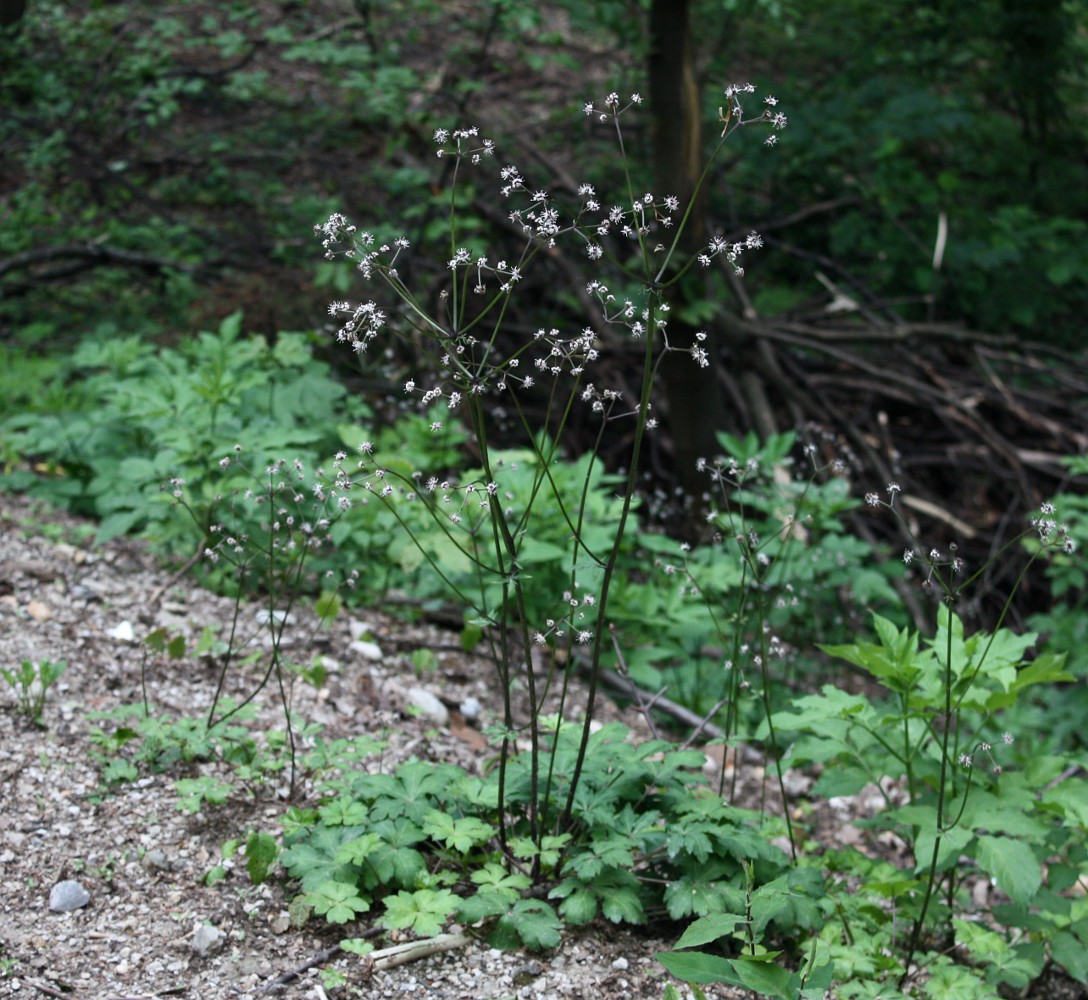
point(206, 939)
point(155, 860)
point(67, 896)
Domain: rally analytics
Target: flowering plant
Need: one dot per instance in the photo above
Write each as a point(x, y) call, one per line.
point(473, 371)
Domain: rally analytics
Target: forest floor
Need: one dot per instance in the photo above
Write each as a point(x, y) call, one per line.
point(152, 927)
point(142, 860)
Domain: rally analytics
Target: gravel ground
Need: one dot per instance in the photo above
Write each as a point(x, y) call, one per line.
point(151, 928)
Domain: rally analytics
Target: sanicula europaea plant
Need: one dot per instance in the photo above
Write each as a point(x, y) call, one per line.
point(473, 368)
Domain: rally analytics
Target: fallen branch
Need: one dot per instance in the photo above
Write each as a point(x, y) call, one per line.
point(375, 961)
point(412, 951)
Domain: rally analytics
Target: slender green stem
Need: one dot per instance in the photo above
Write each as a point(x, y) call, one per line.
point(942, 784)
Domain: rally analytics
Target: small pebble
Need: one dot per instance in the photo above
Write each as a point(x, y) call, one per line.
point(155, 861)
point(367, 650)
point(360, 629)
point(428, 705)
point(264, 616)
point(39, 611)
point(620, 964)
point(206, 938)
point(125, 632)
point(67, 896)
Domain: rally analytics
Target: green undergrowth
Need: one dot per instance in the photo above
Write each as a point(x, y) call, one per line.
point(966, 873)
point(122, 431)
point(421, 844)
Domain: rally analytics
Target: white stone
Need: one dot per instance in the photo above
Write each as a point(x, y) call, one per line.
point(367, 650)
point(124, 632)
point(360, 629)
point(264, 616)
point(428, 705)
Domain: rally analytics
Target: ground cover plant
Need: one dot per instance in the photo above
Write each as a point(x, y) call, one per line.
point(568, 822)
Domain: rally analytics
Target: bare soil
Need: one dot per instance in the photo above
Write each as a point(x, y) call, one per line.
point(142, 859)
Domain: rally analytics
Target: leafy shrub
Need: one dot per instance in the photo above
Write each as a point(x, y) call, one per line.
point(122, 417)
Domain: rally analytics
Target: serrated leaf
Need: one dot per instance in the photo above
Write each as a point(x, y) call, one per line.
point(622, 906)
point(1013, 866)
point(356, 850)
point(356, 946)
point(535, 922)
point(481, 906)
point(953, 842)
point(580, 907)
point(461, 835)
point(338, 902)
point(424, 911)
point(1071, 954)
point(1071, 796)
point(343, 812)
point(494, 877)
point(299, 911)
point(1046, 669)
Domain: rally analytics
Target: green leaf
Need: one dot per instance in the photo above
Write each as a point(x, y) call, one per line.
point(471, 635)
point(580, 907)
point(494, 877)
point(622, 905)
point(1071, 797)
point(535, 922)
point(424, 911)
point(461, 835)
point(338, 902)
point(356, 946)
point(195, 791)
point(1046, 669)
point(328, 605)
point(763, 976)
point(1012, 865)
point(1071, 954)
point(261, 853)
point(710, 928)
point(952, 845)
point(357, 850)
point(698, 967)
point(343, 812)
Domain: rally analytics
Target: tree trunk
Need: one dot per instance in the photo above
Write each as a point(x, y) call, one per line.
point(692, 395)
